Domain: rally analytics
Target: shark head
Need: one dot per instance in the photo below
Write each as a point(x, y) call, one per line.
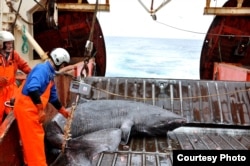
point(159, 123)
point(176, 123)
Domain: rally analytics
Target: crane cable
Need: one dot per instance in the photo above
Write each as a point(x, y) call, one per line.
point(202, 33)
point(89, 44)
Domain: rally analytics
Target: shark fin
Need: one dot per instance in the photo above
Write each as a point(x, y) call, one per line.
point(126, 129)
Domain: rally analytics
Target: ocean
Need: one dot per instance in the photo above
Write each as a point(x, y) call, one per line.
point(153, 57)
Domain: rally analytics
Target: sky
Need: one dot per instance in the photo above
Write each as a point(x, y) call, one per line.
point(129, 18)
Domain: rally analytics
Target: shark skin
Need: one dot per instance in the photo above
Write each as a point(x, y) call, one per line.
point(101, 125)
point(81, 150)
point(129, 116)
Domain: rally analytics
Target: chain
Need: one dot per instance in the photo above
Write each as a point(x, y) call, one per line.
point(67, 127)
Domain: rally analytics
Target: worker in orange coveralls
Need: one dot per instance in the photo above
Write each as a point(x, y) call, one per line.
point(31, 100)
point(10, 62)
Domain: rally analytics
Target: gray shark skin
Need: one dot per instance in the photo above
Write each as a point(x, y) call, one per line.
point(102, 125)
point(129, 116)
point(81, 150)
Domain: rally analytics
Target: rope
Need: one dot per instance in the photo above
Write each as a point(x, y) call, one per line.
point(25, 45)
point(67, 127)
point(174, 98)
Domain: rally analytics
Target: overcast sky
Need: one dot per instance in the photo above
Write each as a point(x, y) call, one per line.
point(129, 18)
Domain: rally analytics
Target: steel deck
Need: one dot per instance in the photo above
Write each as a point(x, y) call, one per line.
point(158, 151)
point(218, 115)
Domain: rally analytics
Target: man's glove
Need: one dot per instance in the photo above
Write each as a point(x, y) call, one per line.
point(3, 81)
point(64, 112)
point(41, 113)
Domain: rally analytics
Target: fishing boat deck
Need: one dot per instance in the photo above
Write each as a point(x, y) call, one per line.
point(217, 112)
point(159, 151)
point(218, 115)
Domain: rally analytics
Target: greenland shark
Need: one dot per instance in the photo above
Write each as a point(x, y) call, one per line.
point(130, 117)
point(81, 150)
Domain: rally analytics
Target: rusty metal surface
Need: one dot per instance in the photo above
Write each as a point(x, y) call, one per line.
point(218, 112)
point(227, 40)
point(201, 102)
point(158, 151)
point(72, 33)
point(10, 149)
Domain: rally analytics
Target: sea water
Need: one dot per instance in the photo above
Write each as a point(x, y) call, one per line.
point(153, 57)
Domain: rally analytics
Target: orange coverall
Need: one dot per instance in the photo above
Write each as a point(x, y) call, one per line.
point(26, 114)
point(8, 69)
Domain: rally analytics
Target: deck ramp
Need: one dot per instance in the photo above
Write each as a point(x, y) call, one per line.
point(218, 113)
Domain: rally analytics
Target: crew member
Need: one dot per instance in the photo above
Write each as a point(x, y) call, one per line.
point(31, 100)
point(10, 61)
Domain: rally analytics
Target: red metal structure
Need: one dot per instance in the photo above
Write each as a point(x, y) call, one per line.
point(227, 39)
point(72, 33)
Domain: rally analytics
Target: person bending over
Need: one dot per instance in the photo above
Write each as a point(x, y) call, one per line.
point(30, 102)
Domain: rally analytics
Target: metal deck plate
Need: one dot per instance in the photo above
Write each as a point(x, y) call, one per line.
point(218, 111)
point(152, 151)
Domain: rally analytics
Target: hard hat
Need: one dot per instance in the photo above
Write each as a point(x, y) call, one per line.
point(5, 36)
point(59, 56)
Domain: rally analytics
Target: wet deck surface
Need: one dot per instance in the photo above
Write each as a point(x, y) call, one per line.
point(158, 151)
point(218, 111)
point(218, 115)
